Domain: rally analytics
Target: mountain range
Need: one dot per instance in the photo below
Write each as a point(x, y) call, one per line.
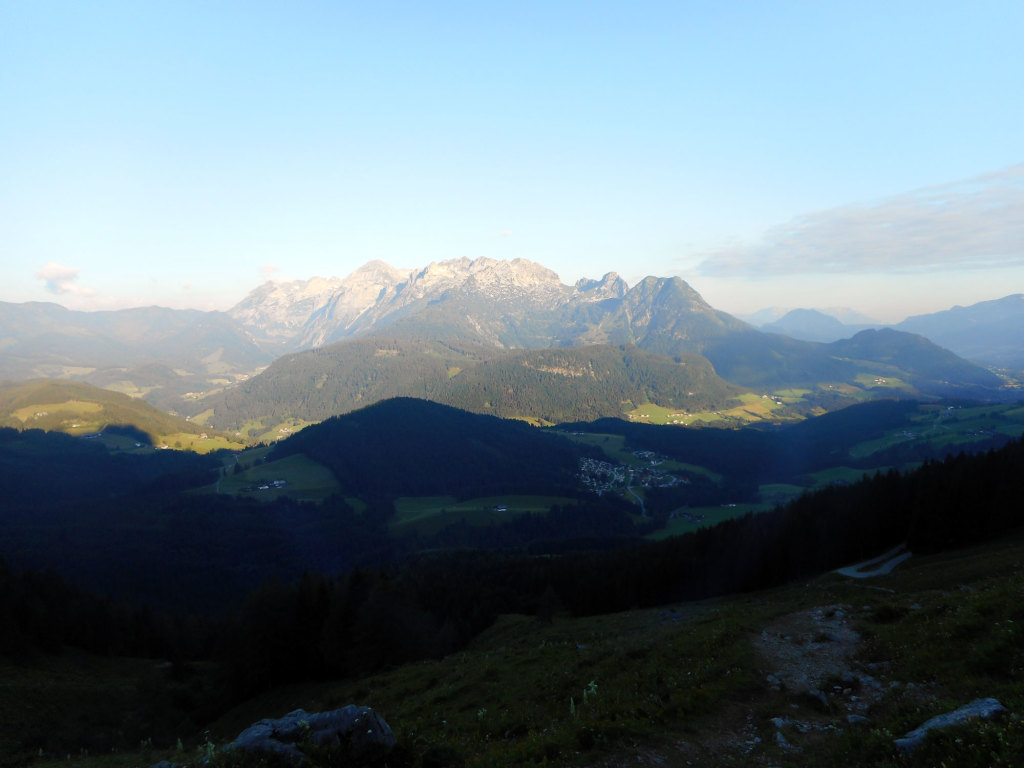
point(501, 337)
point(990, 333)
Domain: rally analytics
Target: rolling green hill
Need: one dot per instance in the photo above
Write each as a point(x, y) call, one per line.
point(82, 409)
point(408, 447)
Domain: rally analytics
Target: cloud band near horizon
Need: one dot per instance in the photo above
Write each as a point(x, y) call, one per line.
point(973, 224)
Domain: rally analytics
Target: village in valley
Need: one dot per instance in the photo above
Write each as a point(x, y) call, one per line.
point(602, 477)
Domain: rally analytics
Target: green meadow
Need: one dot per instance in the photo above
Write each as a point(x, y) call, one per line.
point(306, 479)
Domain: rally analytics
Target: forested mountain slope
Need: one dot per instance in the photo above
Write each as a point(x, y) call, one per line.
point(550, 385)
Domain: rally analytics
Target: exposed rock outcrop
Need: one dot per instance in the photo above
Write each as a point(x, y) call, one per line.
point(359, 730)
point(984, 709)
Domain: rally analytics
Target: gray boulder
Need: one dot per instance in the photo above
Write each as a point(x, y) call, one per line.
point(360, 730)
point(985, 709)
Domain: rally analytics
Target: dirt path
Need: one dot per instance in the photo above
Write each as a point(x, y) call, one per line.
point(814, 688)
point(877, 566)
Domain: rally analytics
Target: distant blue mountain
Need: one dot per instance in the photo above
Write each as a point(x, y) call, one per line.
point(813, 325)
point(989, 332)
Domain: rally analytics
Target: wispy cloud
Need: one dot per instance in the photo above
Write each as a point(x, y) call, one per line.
point(973, 224)
point(270, 272)
point(60, 279)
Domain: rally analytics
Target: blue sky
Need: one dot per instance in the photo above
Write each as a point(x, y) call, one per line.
point(862, 154)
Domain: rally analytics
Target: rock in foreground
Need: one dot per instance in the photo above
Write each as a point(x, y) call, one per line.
point(360, 731)
point(986, 709)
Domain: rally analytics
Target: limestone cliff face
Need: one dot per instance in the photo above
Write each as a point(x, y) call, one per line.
point(308, 313)
point(514, 304)
point(301, 313)
point(279, 310)
point(611, 286)
point(370, 286)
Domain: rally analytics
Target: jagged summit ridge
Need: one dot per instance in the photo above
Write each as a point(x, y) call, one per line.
point(611, 286)
point(513, 303)
point(300, 309)
point(279, 309)
point(306, 313)
point(492, 278)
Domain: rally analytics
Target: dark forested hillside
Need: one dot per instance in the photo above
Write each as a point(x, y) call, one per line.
point(408, 447)
point(131, 526)
point(49, 469)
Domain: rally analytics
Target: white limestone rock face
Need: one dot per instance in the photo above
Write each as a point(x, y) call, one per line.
point(280, 310)
point(308, 313)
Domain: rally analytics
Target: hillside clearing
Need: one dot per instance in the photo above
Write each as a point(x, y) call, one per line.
point(304, 479)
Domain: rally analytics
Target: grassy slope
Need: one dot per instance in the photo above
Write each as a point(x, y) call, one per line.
point(745, 408)
point(306, 480)
point(80, 409)
point(70, 698)
point(943, 427)
point(685, 684)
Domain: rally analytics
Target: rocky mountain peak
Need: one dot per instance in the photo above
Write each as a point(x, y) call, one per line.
point(492, 277)
point(518, 277)
point(502, 302)
point(279, 309)
point(671, 290)
point(611, 286)
point(379, 272)
point(282, 311)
